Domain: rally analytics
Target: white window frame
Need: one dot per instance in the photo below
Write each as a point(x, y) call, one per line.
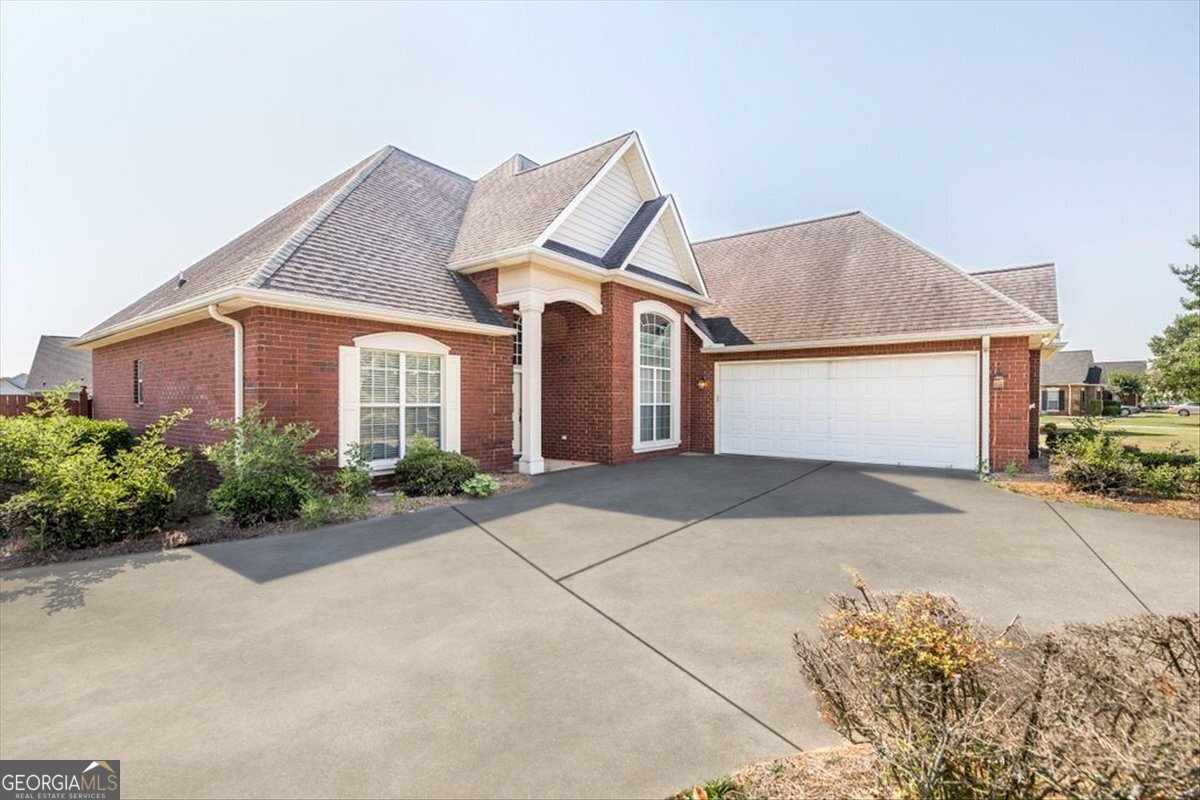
point(1057, 394)
point(671, 315)
point(404, 344)
point(139, 382)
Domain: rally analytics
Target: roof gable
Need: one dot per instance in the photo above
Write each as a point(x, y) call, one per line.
point(56, 364)
point(510, 208)
point(596, 223)
point(843, 277)
point(1069, 366)
point(1034, 287)
point(665, 250)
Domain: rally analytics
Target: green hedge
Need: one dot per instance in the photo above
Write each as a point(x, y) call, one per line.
point(428, 470)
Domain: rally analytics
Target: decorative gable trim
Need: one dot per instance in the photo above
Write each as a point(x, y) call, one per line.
point(669, 221)
point(633, 142)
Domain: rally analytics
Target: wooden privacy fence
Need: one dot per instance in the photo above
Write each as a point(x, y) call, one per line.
point(14, 405)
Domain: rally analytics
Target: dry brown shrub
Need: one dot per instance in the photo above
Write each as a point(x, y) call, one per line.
point(957, 709)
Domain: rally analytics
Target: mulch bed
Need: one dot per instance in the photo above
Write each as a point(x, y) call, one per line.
point(1047, 488)
point(208, 529)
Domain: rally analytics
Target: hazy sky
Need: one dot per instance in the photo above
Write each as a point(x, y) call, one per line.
point(134, 139)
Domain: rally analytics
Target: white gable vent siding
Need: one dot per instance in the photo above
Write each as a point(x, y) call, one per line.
point(657, 255)
point(597, 222)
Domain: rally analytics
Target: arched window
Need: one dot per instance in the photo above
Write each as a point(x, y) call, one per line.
point(655, 379)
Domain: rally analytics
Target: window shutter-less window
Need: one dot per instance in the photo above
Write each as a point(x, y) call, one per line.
point(452, 425)
point(348, 400)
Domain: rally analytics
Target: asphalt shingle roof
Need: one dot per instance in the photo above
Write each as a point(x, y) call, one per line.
point(510, 208)
point(1033, 286)
point(1069, 366)
point(841, 277)
point(55, 364)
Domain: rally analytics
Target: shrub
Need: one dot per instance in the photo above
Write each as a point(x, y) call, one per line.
point(192, 484)
point(398, 501)
point(955, 709)
point(353, 479)
point(428, 470)
point(1099, 465)
point(1094, 408)
point(79, 497)
point(1050, 431)
point(1160, 481)
point(1111, 408)
point(265, 471)
point(1011, 469)
point(481, 485)
point(1173, 455)
point(324, 509)
point(910, 675)
point(1189, 480)
point(47, 430)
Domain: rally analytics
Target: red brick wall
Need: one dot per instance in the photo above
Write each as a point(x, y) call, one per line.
point(576, 373)
point(292, 367)
point(1010, 405)
point(186, 367)
point(587, 379)
point(1035, 400)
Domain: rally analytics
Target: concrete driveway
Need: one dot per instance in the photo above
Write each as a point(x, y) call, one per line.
point(613, 631)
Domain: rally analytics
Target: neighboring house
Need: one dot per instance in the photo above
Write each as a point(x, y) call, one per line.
point(1070, 381)
point(56, 363)
point(1107, 368)
point(560, 311)
point(14, 385)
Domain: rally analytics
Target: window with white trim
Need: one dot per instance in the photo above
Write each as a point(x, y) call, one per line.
point(1052, 399)
point(655, 336)
point(398, 391)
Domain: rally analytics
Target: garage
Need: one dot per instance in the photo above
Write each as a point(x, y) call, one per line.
point(919, 410)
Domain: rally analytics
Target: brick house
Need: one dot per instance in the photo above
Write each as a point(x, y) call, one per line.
point(560, 311)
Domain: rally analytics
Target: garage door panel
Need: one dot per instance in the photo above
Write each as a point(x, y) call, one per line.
point(896, 410)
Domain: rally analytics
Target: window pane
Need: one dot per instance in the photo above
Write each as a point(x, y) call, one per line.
point(646, 433)
point(379, 375)
point(379, 432)
point(654, 346)
point(425, 421)
point(423, 379)
point(662, 422)
point(662, 392)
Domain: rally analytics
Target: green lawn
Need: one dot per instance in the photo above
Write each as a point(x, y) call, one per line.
point(1149, 431)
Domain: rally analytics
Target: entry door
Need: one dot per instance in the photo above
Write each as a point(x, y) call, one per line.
point(913, 410)
point(516, 415)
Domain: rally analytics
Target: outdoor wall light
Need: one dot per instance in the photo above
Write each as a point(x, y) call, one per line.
point(702, 384)
point(998, 379)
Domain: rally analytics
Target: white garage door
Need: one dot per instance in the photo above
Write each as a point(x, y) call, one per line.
point(915, 410)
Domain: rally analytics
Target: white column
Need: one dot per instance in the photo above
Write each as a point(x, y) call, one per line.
point(531, 386)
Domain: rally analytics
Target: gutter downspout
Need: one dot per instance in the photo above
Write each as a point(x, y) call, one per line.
point(985, 401)
point(238, 406)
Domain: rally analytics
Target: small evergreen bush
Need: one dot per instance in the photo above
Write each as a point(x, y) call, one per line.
point(428, 470)
point(1161, 481)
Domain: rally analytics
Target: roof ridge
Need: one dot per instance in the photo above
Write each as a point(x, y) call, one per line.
point(994, 270)
point(625, 135)
point(299, 236)
point(430, 163)
point(779, 227)
point(1036, 317)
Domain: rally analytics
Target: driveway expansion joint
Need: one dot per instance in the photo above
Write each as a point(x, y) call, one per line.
point(689, 524)
point(630, 633)
point(1088, 545)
